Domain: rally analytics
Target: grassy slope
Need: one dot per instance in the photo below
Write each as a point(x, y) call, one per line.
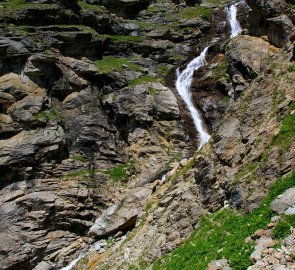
point(222, 235)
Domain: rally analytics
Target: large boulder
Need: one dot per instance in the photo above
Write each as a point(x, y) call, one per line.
point(143, 103)
point(267, 19)
point(246, 54)
point(284, 201)
point(122, 215)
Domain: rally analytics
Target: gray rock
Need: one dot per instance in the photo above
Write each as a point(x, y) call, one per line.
point(290, 211)
point(122, 215)
point(44, 266)
point(246, 54)
point(280, 205)
point(221, 264)
point(24, 109)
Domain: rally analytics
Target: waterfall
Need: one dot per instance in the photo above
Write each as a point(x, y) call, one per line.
point(232, 17)
point(72, 264)
point(183, 86)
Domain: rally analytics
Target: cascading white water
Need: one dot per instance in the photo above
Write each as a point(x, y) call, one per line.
point(72, 264)
point(183, 86)
point(232, 17)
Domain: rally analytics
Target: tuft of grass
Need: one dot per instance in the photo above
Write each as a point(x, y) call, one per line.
point(283, 228)
point(14, 5)
point(220, 72)
point(121, 38)
point(193, 12)
point(52, 114)
point(286, 136)
point(110, 63)
point(120, 173)
point(152, 91)
point(247, 170)
point(163, 70)
point(291, 68)
point(222, 235)
point(142, 79)
point(79, 158)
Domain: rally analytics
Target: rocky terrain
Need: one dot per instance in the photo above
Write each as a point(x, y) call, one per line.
point(98, 152)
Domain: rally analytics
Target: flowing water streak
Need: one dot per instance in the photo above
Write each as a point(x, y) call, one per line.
point(232, 17)
point(72, 264)
point(183, 86)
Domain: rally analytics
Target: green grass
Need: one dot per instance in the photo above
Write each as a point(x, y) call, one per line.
point(142, 79)
point(286, 136)
point(246, 170)
point(181, 172)
point(283, 228)
point(174, 158)
point(291, 68)
point(121, 38)
point(153, 91)
point(110, 63)
point(52, 114)
point(222, 235)
point(193, 12)
point(14, 5)
point(119, 173)
point(220, 72)
point(163, 70)
point(79, 158)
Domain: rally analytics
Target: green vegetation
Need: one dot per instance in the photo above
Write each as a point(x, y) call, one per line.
point(286, 136)
point(152, 91)
point(80, 173)
point(222, 235)
point(174, 158)
point(163, 70)
point(120, 173)
point(291, 68)
point(52, 114)
point(142, 79)
point(181, 172)
point(220, 72)
point(111, 63)
point(119, 38)
point(246, 171)
point(79, 158)
point(282, 229)
point(192, 12)
point(14, 5)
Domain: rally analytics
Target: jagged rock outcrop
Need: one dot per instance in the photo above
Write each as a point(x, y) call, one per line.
point(268, 18)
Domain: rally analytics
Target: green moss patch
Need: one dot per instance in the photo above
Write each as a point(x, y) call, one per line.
point(142, 79)
point(110, 63)
point(84, 5)
point(193, 12)
point(283, 228)
point(222, 235)
point(120, 38)
point(286, 136)
point(52, 114)
point(120, 173)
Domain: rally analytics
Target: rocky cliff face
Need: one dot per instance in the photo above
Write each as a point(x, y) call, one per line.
point(97, 150)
